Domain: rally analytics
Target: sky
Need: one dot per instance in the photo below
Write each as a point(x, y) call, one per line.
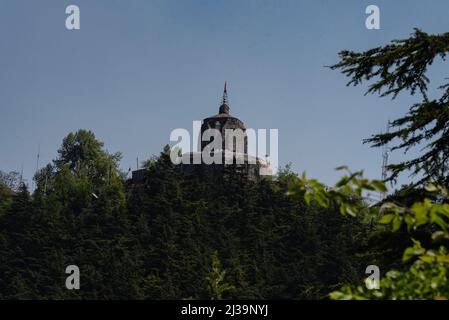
point(136, 70)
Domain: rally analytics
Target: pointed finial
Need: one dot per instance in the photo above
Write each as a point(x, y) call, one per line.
point(225, 93)
point(224, 108)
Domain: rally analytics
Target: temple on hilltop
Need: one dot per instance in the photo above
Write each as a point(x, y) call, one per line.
point(233, 150)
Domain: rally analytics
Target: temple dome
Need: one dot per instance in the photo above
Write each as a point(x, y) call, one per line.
point(222, 121)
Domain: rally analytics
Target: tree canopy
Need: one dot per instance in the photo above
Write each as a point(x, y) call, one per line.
point(402, 67)
point(176, 235)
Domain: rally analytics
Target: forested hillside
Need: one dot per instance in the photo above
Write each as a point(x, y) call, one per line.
point(174, 236)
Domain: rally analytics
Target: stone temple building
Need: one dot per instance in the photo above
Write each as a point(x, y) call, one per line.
point(234, 145)
point(233, 149)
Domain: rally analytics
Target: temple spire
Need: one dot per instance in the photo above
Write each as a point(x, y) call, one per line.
point(224, 108)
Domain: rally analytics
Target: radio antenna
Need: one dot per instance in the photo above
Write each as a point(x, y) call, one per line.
point(385, 157)
point(38, 156)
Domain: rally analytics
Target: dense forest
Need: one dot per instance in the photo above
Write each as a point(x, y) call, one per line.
point(173, 236)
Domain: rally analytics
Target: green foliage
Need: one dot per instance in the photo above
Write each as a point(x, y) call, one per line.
point(426, 275)
point(402, 67)
point(422, 281)
point(347, 192)
point(155, 240)
point(8, 183)
point(216, 284)
point(9, 180)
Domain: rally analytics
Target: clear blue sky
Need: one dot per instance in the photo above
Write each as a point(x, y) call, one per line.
point(138, 69)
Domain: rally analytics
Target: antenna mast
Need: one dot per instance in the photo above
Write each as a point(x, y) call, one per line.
point(37, 161)
point(385, 157)
point(38, 156)
point(21, 175)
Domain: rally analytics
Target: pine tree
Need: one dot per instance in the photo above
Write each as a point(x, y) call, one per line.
point(402, 67)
